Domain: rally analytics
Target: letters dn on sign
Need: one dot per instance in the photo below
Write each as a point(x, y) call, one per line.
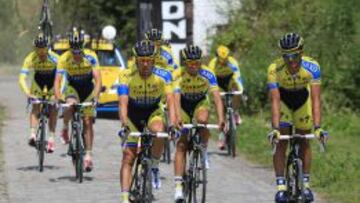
point(174, 23)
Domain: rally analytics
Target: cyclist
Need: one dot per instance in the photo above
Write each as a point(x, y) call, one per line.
point(294, 85)
point(43, 62)
point(164, 56)
point(140, 105)
point(80, 68)
point(228, 75)
point(192, 84)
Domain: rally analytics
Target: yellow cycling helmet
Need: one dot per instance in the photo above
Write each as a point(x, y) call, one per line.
point(222, 52)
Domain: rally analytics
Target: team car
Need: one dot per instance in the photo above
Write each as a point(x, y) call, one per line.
point(111, 62)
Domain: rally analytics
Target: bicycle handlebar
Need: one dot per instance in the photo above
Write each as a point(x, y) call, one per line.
point(289, 137)
point(306, 136)
point(231, 93)
point(158, 134)
point(209, 126)
point(41, 101)
point(84, 104)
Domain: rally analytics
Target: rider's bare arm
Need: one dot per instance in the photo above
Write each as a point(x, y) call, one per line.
point(177, 101)
point(219, 105)
point(57, 85)
point(316, 103)
point(171, 106)
point(98, 84)
point(275, 107)
point(123, 106)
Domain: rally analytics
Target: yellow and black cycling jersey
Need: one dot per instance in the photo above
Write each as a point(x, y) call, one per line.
point(294, 91)
point(43, 72)
point(194, 91)
point(146, 93)
point(280, 76)
point(79, 76)
point(194, 88)
point(227, 74)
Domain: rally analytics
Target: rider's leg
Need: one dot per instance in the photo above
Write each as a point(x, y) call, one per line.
point(34, 122)
point(156, 125)
point(179, 166)
point(52, 127)
point(88, 135)
point(129, 155)
point(236, 104)
point(202, 116)
point(158, 145)
point(279, 159)
point(52, 120)
point(67, 115)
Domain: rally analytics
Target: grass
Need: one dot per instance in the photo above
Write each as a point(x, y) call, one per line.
point(3, 194)
point(336, 173)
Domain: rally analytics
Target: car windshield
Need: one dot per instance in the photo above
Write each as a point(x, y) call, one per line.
point(108, 58)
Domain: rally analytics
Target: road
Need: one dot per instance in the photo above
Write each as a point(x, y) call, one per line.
point(230, 180)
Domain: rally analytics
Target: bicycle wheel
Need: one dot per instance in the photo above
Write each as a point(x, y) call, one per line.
point(300, 181)
point(80, 166)
point(167, 152)
point(199, 181)
point(231, 136)
point(41, 144)
point(78, 152)
point(135, 187)
point(295, 185)
point(146, 185)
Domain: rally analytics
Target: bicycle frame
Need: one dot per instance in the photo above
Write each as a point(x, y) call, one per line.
point(196, 150)
point(294, 167)
point(45, 23)
point(231, 133)
point(141, 188)
point(76, 146)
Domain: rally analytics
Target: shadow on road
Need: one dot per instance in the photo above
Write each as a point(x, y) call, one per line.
point(223, 153)
point(35, 168)
point(69, 178)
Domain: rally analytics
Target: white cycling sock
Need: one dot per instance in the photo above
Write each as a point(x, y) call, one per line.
point(52, 135)
point(306, 180)
point(32, 131)
point(178, 181)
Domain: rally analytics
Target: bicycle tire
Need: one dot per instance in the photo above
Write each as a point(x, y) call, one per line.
point(78, 152)
point(80, 164)
point(41, 144)
point(300, 181)
point(190, 179)
point(167, 152)
point(146, 174)
point(294, 179)
point(231, 136)
point(135, 188)
point(199, 177)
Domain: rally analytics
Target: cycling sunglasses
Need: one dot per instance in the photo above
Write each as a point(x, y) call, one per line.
point(41, 50)
point(291, 56)
point(144, 59)
point(192, 62)
point(76, 51)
